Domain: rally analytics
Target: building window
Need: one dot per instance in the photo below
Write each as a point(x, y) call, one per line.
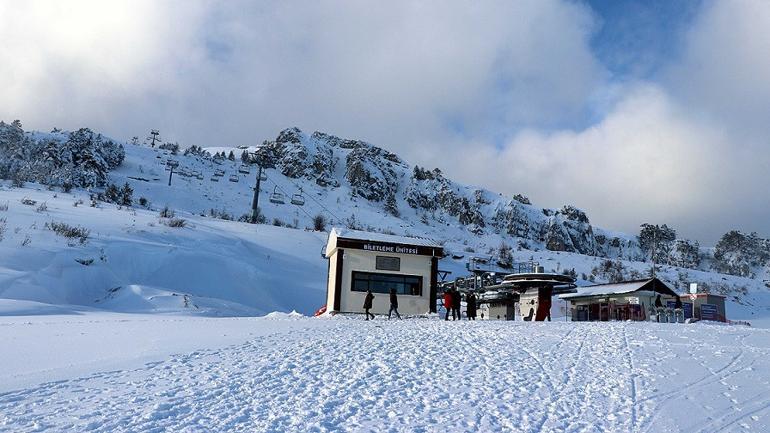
point(382, 283)
point(385, 263)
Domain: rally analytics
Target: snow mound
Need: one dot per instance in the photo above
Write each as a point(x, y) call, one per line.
point(280, 315)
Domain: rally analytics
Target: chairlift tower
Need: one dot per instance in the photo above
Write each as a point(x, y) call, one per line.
point(255, 200)
point(170, 166)
point(154, 136)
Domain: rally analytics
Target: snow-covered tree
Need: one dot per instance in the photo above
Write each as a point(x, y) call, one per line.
point(505, 255)
point(657, 242)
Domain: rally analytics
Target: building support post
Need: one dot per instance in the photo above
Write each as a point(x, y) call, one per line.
point(338, 280)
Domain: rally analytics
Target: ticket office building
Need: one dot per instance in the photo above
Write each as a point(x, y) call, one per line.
point(361, 261)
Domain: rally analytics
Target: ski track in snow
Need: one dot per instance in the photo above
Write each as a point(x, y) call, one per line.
point(425, 376)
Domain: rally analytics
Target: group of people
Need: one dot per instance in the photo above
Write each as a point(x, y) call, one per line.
point(393, 304)
point(452, 302)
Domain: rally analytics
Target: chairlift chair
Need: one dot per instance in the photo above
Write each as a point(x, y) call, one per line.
point(277, 197)
point(298, 199)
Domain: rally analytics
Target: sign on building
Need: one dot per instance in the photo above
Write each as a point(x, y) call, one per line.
point(709, 312)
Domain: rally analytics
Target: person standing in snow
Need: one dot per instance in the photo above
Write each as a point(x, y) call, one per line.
point(658, 308)
point(393, 304)
point(447, 302)
point(470, 303)
point(368, 304)
point(547, 307)
point(456, 305)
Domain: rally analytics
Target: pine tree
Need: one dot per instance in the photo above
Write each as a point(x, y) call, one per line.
point(126, 195)
point(505, 256)
point(112, 193)
point(231, 156)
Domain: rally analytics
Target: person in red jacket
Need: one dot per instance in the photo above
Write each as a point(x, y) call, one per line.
point(447, 302)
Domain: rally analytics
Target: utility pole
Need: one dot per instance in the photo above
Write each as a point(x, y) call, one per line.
point(654, 249)
point(154, 136)
point(255, 200)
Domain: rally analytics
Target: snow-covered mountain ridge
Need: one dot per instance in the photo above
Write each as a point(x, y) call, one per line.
point(349, 182)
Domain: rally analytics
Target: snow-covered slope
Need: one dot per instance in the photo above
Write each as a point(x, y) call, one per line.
point(132, 262)
point(311, 374)
point(219, 266)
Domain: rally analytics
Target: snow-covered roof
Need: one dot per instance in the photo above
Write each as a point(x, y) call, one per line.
point(652, 284)
point(346, 233)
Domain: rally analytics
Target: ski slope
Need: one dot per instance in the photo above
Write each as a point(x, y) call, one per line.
point(132, 262)
point(282, 374)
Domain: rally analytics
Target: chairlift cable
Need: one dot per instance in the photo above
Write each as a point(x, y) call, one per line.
point(275, 184)
point(324, 208)
point(310, 196)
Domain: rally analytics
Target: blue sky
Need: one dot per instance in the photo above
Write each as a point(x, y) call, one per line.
point(635, 39)
point(652, 111)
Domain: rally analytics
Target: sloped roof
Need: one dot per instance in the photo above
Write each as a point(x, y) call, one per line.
point(652, 285)
point(345, 233)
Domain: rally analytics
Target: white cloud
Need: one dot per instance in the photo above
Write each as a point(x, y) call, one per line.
point(393, 73)
point(646, 161)
point(492, 87)
point(724, 70)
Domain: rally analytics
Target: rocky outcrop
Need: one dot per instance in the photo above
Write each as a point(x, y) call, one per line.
point(297, 156)
point(518, 219)
point(373, 173)
point(431, 191)
point(381, 177)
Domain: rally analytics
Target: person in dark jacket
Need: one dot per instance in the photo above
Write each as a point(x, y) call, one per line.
point(447, 303)
point(658, 308)
point(368, 304)
point(393, 304)
point(470, 305)
point(456, 305)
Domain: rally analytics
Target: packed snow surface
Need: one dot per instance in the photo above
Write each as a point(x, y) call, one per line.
point(290, 373)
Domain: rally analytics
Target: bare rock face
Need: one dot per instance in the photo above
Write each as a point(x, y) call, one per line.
point(431, 191)
point(373, 173)
point(520, 220)
point(568, 229)
point(299, 156)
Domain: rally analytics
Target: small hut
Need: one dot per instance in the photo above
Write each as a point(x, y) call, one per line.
point(626, 300)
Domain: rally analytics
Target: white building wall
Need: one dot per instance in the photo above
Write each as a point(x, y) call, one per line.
point(364, 261)
point(331, 281)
